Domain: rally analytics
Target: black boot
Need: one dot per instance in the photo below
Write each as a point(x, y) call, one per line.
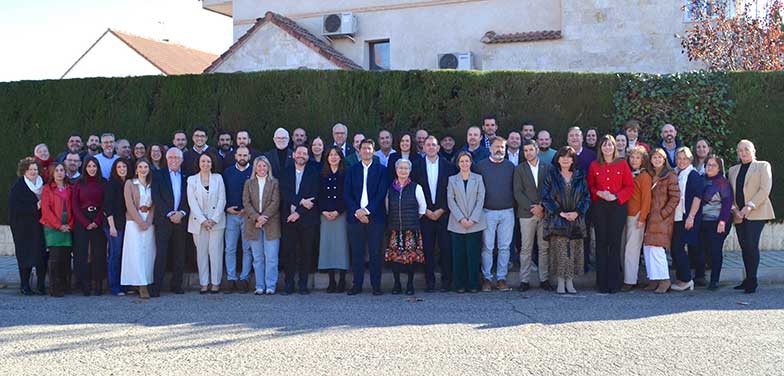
point(410, 284)
point(332, 285)
point(341, 283)
point(397, 289)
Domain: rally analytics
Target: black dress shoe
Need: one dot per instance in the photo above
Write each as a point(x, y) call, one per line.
point(410, 290)
point(331, 288)
point(397, 289)
point(26, 291)
point(430, 288)
point(524, 286)
point(155, 294)
point(341, 287)
point(178, 291)
point(750, 289)
point(741, 286)
point(700, 282)
point(546, 286)
point(713, 286)
point(355, 291)
point(40, 291)
point(377, 292)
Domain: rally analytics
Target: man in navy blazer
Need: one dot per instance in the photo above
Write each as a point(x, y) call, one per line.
point(432, 174)
point(170, 199)
point(299, 188)
point(365, 192)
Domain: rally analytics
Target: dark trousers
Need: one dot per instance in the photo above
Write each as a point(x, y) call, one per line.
point(466, 260)
point(587, 239)
point(749, 236)
point(711, 243)
point(59, 268)
point(26, 272)
point(609, 221)
point(435, 232)
point(115, 260)
point(299, 243)
point(170, 242)
point(697, 257)
point(679, 257)
point(369, 235)
point(89, 256)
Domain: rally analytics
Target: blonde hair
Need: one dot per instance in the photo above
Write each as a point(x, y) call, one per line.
point(266, 162)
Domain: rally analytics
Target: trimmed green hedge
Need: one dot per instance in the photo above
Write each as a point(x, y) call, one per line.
point(150, 108)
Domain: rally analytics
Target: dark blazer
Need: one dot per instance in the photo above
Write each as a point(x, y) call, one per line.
point(419, 175)
point(163, 197)
point(377, 184)
point(272, 156)
point(695, 184)
point(190, 160)
point(308, 187)
point(526, 192)
point(27, 232)
point(413, 156)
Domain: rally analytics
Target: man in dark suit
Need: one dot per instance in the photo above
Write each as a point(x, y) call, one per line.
point(299, 187)
point(529, 180)
point(280, 155)
point(190, 157)
point(339, 136)
point(432, 174)
point(169, 197)
point(364, 193)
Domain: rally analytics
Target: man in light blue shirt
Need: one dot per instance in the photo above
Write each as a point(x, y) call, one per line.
point(106, 158)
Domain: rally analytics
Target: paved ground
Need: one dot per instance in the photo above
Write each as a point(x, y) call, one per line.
point(537, 333)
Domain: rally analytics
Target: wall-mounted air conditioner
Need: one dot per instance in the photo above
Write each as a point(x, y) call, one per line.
point(339, 24)
point(456, 60)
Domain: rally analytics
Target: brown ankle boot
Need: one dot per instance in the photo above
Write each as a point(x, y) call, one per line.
point(143, 293)
point(664, 286)
point(652, 285)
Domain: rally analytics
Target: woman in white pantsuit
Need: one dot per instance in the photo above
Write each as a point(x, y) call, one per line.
point(207, 222)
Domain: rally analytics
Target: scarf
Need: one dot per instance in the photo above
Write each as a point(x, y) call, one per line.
point(36, 186)
point(399, 187)
point(683, 178)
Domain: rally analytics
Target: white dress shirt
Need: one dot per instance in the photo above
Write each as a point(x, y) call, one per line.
point(432, 177)
point(535, 172)
point(363, 202)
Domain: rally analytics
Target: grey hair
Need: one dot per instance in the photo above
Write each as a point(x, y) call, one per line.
point(402, 160)
point(175, 151)
point(749, 145)
point(340, 125)
point(35, 149)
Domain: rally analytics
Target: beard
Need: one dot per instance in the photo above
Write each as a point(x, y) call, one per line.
point(225, 148)
point(94, 148)
point(242, 163)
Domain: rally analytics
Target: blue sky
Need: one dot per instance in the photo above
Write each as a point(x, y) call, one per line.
point(42, 38)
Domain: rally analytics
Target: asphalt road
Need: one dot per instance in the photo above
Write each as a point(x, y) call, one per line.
point(536, 333)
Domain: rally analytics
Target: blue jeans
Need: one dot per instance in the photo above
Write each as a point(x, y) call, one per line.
point(235, 226)
point(265, 261)
point(500, 224)
point(115, 260)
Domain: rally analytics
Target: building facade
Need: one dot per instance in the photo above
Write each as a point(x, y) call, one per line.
point(542, 35)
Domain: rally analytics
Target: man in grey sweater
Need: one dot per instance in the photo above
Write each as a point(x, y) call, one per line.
point(498, 175)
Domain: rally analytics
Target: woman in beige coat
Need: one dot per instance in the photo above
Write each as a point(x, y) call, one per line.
point(465, 195)
point(260, 207)
point(751, 182)
point(207, 221)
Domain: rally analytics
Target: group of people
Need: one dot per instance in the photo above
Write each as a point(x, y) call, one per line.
point(128, 214)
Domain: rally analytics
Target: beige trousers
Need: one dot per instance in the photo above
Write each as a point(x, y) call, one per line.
point(530, 228)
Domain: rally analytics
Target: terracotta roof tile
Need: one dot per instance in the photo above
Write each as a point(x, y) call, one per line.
point(491, 37)
point(298, 32)
point(170, 58)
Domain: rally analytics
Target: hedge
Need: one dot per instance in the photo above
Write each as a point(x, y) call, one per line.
point(151, 108)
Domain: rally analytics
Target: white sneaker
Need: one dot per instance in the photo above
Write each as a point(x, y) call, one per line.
point(259, 292)
point(270, 292)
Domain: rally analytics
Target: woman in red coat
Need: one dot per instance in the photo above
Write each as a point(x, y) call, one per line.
point(58, 221)
point(612, 185)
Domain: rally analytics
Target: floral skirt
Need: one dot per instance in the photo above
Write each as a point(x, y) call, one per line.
point(405, 247)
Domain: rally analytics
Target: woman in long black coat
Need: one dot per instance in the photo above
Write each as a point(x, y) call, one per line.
point(24, 209)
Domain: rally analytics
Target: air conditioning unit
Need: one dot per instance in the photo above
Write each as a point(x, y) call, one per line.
point(456, 60)
point(338, 24)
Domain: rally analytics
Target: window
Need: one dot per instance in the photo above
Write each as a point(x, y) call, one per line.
point(379, 55)
point(692, 8)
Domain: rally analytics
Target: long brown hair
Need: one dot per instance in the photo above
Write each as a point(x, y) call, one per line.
point(600, 155)
point(325, 169)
